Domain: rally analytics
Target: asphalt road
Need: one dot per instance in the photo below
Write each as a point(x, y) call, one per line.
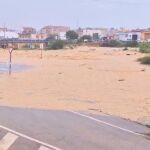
point(29, 129)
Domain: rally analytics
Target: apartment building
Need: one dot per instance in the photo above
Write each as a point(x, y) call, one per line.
point(28, 30)
point(51, 30)
point(134, 35)
point(95, 33)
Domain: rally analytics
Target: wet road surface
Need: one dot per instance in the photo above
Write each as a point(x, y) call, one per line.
point(31, 129)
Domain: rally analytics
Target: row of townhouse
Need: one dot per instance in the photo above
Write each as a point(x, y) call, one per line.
point(58, 31)
point(139, 35)
point(100, 34)
point(32, 33)
point(134, 35)
point(29, 37)
point(95, 33)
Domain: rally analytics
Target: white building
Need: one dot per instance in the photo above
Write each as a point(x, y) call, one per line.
point(95, 33)
point(129, 36)
point(8, 34)
point(62, 36)
point(90, 32)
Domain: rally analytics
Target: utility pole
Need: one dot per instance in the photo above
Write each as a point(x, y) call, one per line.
point(77, 23)
point(4, 31)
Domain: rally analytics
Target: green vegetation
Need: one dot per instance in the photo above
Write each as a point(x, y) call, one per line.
point(115, 43)
point(58, 44)
point(131, 44)
point(112, 43)
point(71, 35)
point(145, 60)
point(145, 47)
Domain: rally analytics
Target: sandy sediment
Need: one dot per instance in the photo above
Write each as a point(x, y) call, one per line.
point(86, 78)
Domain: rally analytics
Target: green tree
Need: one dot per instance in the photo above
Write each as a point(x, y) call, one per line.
point(72, 35)
point(58, 44)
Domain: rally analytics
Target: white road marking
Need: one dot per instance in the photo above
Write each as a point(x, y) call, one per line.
point(44, 148)
point(106, 123)
point(7, 141)
point(30, 138)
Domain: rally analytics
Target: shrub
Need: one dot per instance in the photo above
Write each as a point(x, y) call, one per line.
point(112, 43)
point(131, 44)
point(145, 60)
point(145, 47)
point(72, 35)
point(59, 44)
point(116, 43)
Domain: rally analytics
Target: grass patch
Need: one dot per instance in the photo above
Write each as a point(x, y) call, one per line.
point(145, 60)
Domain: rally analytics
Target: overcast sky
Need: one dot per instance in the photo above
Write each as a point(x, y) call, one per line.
point(74, 13)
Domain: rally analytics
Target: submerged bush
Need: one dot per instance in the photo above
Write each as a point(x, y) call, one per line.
point(145, 47)
point(145, 60)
